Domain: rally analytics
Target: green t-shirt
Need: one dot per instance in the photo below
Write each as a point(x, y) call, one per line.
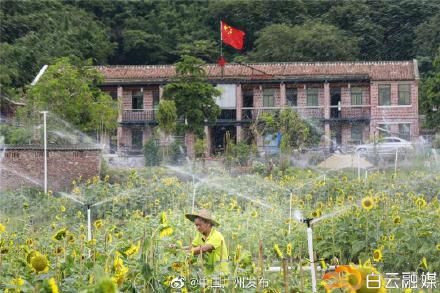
point(215, 261)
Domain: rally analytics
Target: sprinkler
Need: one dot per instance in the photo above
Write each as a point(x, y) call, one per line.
point(309, 222)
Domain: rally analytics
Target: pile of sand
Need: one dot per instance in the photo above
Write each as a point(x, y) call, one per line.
point(340, 161)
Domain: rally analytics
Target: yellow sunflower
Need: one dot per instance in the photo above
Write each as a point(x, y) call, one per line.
point(289, 249)
point(40, 263)
point(18, 281)
point(166, 231)
point(316, 213)
point(278, 251)
point(377, 255)
point(438, 246)
point(368, 203)
point(60, 234)
point(420, 202)
point(53, 285)
point(133, 249)
point(396, 220)
point(2, 228)
point(98, 224)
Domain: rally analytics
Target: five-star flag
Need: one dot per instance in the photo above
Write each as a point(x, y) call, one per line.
point(232, 36)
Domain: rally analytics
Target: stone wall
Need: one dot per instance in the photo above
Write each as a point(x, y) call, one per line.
point(24, 167)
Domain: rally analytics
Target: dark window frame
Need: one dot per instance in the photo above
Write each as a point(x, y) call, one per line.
point(137, 136)
point(313, 96)
point(137, 100)
point(269, 99)
point(405, 135)
point(404, 100)
point(292, 97)
point(382, 90)
point(356, 94)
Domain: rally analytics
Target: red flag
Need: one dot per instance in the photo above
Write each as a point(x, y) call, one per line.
point(232, 36)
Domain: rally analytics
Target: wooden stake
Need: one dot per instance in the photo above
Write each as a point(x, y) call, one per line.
point(285, 274)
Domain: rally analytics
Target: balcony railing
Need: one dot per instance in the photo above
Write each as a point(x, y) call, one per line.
point(350, 112)
point(138, 115)
point(304, 112)
point(228, 115)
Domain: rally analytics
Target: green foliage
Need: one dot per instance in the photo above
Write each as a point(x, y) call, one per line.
point(167, 116)
point(151, 153)
point(293, 129)
point(237, 154)
point(200, 147)
point(15, 135)
point(36, 33)
point(192, 94)
point(430, 95)
point(71, 92)
point(312, 41)
point(427, 42)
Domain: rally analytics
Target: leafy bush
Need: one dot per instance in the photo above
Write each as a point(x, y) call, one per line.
point(15, 135)
point(151, 153)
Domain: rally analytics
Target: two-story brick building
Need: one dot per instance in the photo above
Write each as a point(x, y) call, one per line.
point(350, 101)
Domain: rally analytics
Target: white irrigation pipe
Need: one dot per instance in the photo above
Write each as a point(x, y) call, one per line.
point(89, 224)
point(45, 150)
point(311, 256)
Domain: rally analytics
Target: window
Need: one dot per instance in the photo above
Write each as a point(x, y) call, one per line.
point(384, 130)
point(405, 131)
point(404, 94)
point(356, 133)
point(137, 100)
point(268, 98)
point(136, 138)
point(292, 97)
point(312, 96)
point(384, 95)
point(356, 96)
point(155, 99)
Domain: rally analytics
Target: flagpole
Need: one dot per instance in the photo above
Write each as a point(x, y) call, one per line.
point(221, 48)
point(221, 39)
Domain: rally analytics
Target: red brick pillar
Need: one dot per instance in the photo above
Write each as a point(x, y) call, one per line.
point(282, 95)
point(239, 105)
point(327, 113)
point(120, 96)
point(208, 141)
point(189, 143)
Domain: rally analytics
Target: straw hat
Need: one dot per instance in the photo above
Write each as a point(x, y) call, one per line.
point(204, 214)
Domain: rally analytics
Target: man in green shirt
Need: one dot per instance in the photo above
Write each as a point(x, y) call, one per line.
point(209, 243)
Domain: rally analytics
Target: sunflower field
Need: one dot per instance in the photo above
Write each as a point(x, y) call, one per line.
point(383, 224)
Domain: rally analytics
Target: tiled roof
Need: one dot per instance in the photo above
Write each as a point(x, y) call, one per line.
point(376, 70)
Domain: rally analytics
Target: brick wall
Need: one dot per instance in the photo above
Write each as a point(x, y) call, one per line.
point(394, 114)
point(25, 168)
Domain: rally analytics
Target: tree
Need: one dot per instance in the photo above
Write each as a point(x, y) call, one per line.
point(167, 118)
point(71, 92)
point(34, 33)
point(294, 131)
point(427, 42)
point(312, 41)
point(193, 96)
point(430, 95)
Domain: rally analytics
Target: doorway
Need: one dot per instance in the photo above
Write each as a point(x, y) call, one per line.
point(335, 100)
point(218, 138)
